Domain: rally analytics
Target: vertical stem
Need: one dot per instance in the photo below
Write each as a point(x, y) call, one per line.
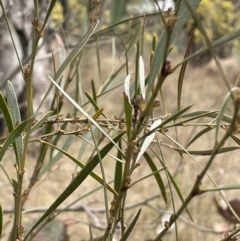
point(28, 76)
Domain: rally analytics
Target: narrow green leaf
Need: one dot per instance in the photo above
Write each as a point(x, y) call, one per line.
point(51, 6)
point(208, 152)
point(12, 137)
point(6, 113)
point(94, 93)
point(92, 101)
point(73, 102)
point(156, 175)
point(199, 134)
point(118, 170)
point(56, 158)
point(81, 165)
point(128, 115)
point(211, 114)
point(76, 50)
point(39, 123)
point(172, 117)
point(191, 119)
point(179, 193)
point(84, 173)
point(131, 226)
point(222, 188)
point(176, 115)
point(98, 59)
point(183, 69)
point(15, 113)
point(13, 103)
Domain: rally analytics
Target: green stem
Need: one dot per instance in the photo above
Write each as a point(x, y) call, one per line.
point(28, 76)
point(120, 201)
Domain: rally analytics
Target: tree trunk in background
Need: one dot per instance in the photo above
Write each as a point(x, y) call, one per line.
point(20, 16)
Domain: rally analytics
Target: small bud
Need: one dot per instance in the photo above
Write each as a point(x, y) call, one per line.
point(38, 27)
point(140, 102)
point(170, 19)
point(136, 150)
point(26, 72)
point(167, 68)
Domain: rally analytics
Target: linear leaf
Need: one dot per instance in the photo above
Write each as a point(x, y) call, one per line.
point(94, 91)
point(12, 137)
point(131, 226)
point(183, 69)
point(118, 170)
point(178, 192)
point(199, 134)
point(156, 175)
point(6, 113)
point(76, 50)
point(142, 77)
point(173, 117)
point(80, 164)
point(128, 115)
point(73, 102)
point(211, 114)
point(39, 123)
point(56, 158)
point(15, 113)
point(208, 152)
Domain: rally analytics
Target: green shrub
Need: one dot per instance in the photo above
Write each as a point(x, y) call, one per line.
point(132, 148)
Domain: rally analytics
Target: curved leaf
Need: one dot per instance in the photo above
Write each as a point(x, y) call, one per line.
point(156, 175)
point(199, 134)
point(207, 152)
point(148, 140)
point(131, 226)
point(76, 50)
